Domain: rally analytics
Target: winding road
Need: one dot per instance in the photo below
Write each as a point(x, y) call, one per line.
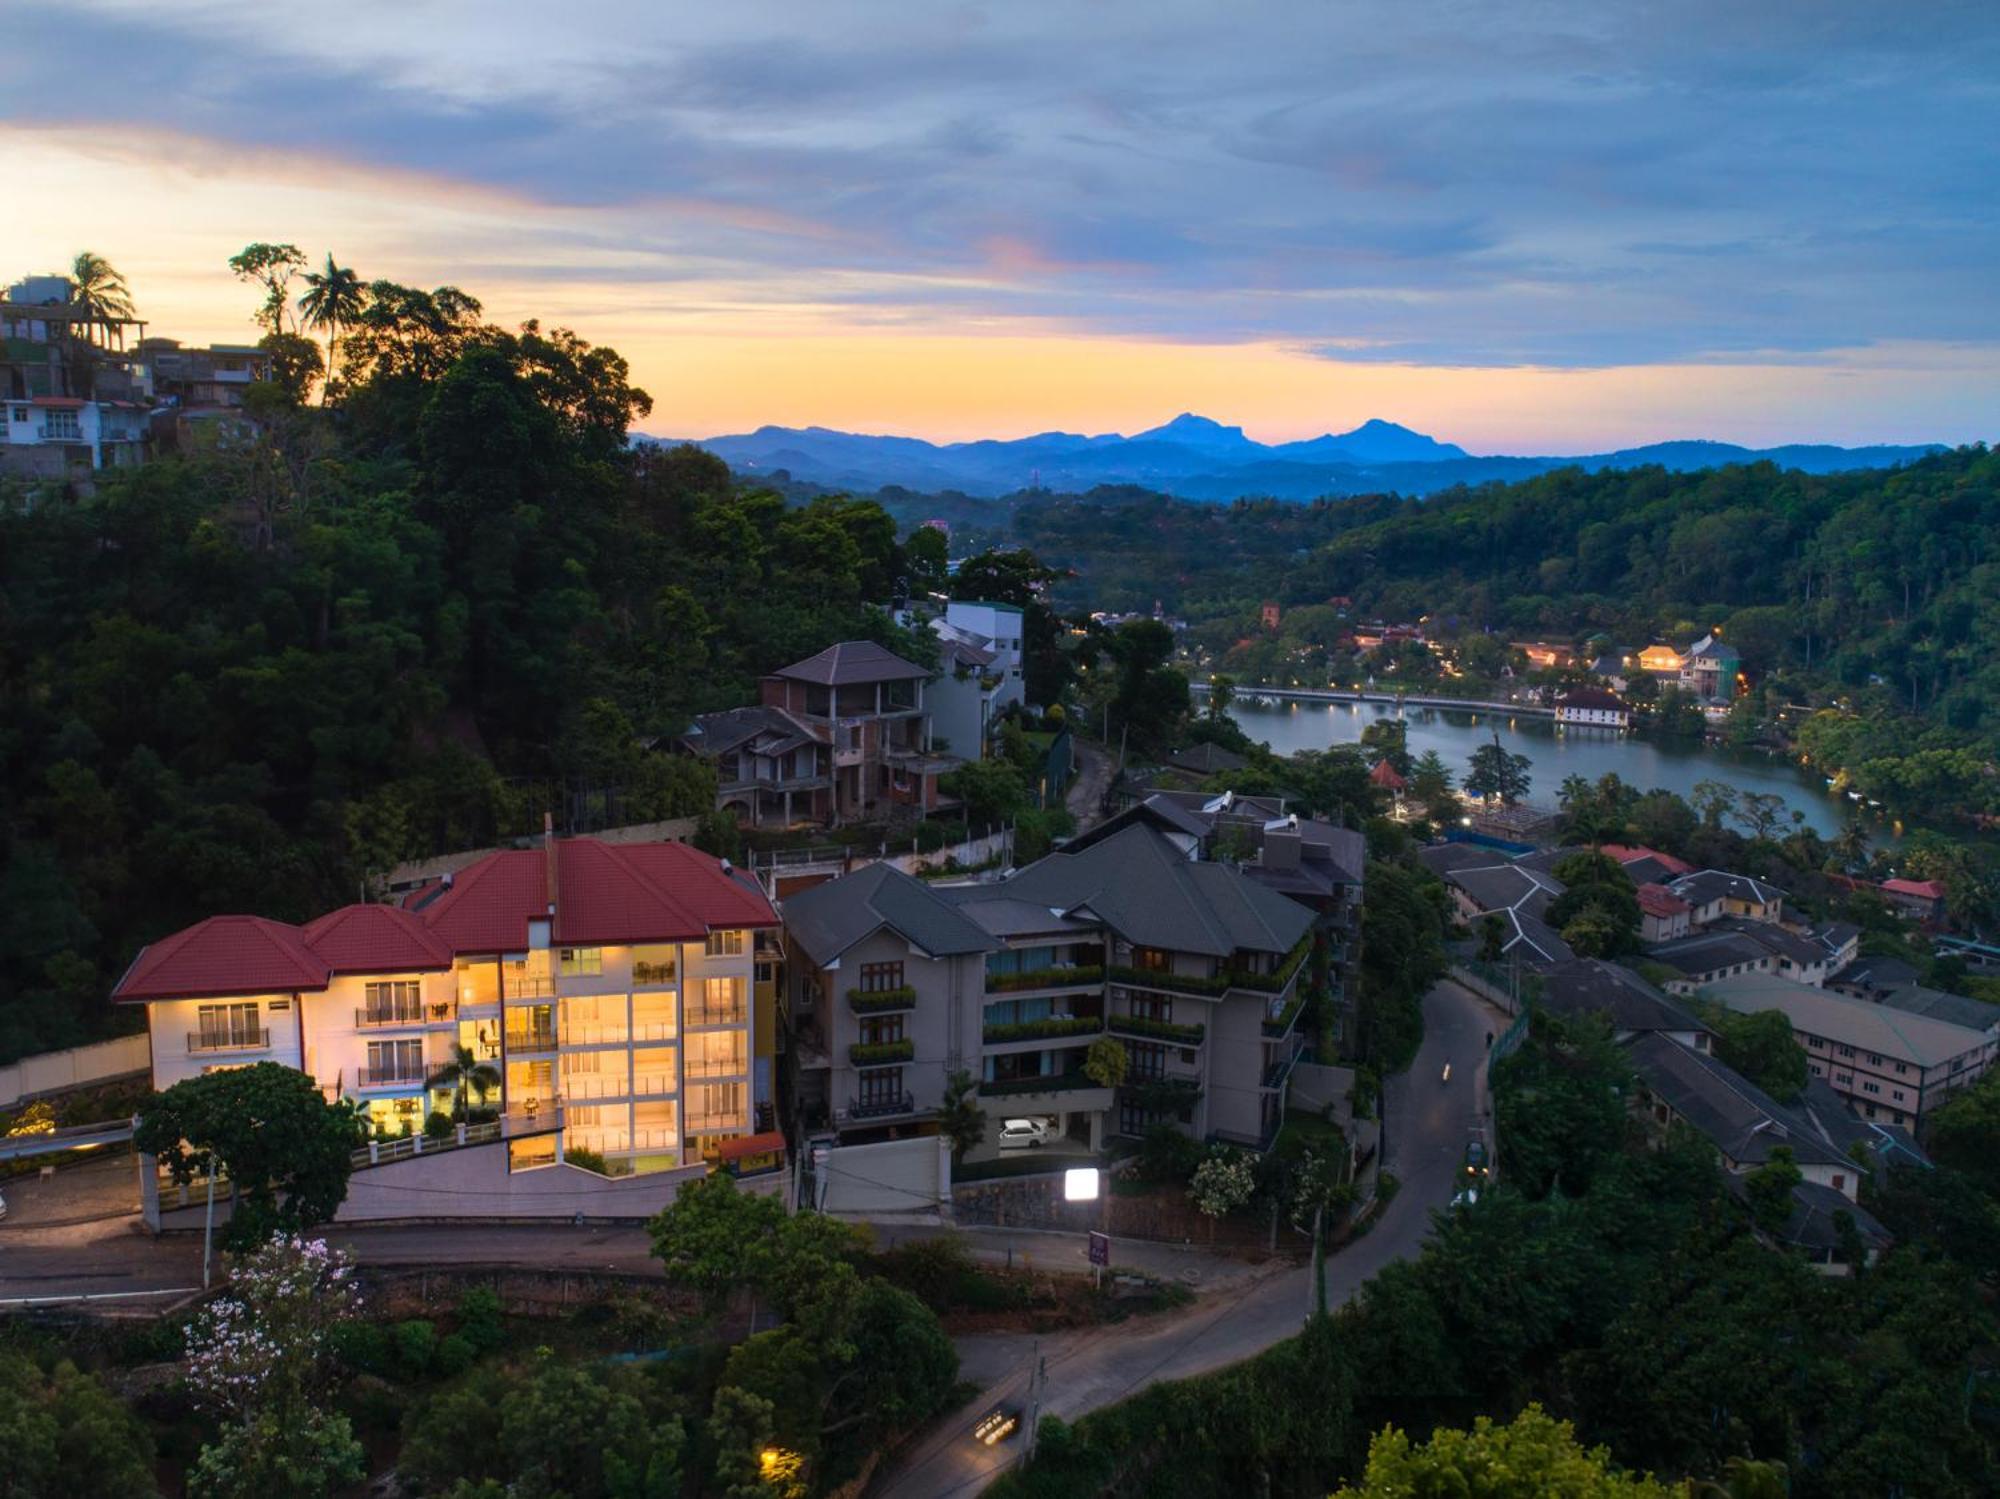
point(1427, 1124)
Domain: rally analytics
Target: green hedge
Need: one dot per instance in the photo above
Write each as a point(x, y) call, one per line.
point(1055, 1025)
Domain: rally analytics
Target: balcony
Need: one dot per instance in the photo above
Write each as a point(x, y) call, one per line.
point(654, 1084)
point(539, 1039)
point(527, 986)
point(881, 1001)
point(419, 1014)
point(881, 1053)
point(1158, 1030)
point(1275, 982)
point(1037, 1030)
point(1075, 976)
point(715, 1124)
point(390, 1077)
point(718, 1015)
point(652, 975)
point(1282, 1016)
point(1054, 1082)
point(1281, 1067)
point(236, 1040)
point(732, 1066)
point(902, 1103)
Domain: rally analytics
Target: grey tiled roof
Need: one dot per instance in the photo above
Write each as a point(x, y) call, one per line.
point(1709, 952)
point(718, 733)
point(853, 663)
point(1594, 986)
point(1504, 887)
point(828, 919)
point(1743, 1121)
point(1915, 999)
point(1150, 894)
point(1904, 1037)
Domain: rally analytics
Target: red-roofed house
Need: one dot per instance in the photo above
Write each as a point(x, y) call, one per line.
point(1920, 899)
point(1388, 778)
point(608, 986)
point(1625, 853)
point(1663, 915)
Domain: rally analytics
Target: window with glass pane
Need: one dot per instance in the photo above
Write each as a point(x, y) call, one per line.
point(878, 978)
point(396, 1061)
point(876, 1029)
point(882, 1086)
point(228, 1025)
point(574, 962)
point(395, 999)
point(721, 1003)
point(1153, 959)
point(726, 944)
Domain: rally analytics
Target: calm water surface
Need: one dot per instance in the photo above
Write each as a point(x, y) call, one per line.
point(1555, 753)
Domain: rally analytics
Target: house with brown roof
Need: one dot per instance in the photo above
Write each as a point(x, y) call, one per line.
point(606, 987)
point(867, 705)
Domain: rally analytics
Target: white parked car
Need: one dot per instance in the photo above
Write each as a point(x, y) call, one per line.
point(1025, 1134)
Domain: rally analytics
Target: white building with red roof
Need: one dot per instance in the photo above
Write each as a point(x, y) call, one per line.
point(608, 987)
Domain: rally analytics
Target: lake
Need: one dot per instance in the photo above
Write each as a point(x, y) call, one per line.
point(1555, 753)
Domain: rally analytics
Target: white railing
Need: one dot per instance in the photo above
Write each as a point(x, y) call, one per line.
point(595, 1033)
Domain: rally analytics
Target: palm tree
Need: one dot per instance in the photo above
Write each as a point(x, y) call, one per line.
point(333, 303)
point(100, 291)
point(466, 1075)
point(1851, 844)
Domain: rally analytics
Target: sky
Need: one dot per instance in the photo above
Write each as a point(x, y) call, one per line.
point(1543, 226)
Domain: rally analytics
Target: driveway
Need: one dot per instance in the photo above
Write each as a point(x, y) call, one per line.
point(1427, 1127)
point(1093, 779)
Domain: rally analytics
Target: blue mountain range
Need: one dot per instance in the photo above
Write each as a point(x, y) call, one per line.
point(1195, 458)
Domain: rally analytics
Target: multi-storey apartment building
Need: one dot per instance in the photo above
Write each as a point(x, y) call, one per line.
point(1196, 969)
point(1891, 1065)
point(609, 987)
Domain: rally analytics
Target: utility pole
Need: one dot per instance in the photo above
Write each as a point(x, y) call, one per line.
point(1036, 1377)
point(208, 1224)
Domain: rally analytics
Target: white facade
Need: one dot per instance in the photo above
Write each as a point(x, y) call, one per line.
point(640, 1054)
point(107, 434)
point(1608, 718)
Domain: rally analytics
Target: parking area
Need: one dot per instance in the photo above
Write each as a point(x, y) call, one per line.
point(101, 1186)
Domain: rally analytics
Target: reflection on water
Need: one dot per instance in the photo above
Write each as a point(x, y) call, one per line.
point(1556, 753)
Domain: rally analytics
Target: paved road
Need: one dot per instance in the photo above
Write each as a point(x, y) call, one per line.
point(1427, 1126)
point(1093, 779)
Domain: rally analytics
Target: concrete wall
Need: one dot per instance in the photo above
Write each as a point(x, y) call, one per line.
point(80, 1066)
point(895, 1176)
point(1315, 1086)
point(473, 1183)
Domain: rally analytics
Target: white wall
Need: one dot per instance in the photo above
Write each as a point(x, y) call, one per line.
point(59, 1071)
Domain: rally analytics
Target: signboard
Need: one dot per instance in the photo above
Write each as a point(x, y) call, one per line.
point(1100, 1249)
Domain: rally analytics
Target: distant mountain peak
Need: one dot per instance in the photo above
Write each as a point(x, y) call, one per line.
point(1188, 427)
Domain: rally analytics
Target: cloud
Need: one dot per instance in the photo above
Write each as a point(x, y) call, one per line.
point(1573, 185)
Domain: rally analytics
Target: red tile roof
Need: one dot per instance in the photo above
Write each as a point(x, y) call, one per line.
point(375, 939)
point(1627, 853)
point(221, 956)
point(1922, 889)
point(1385, 774)
point(607, 894)
point(1658, 900)
point(486, 906)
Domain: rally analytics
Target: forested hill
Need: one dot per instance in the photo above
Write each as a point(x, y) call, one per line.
point(240, 679)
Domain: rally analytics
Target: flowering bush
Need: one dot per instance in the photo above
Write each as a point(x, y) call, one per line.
point(1223, 1183)
point(265, 1347)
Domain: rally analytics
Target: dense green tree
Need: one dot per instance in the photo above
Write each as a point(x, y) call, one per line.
point(1534, 1454)
point(1402, 955)
point(960, 1119)
point(1498, 774)
point(66, 1437)
point(1559, 1104)
point(269, 1129)
point(1760, 1045)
